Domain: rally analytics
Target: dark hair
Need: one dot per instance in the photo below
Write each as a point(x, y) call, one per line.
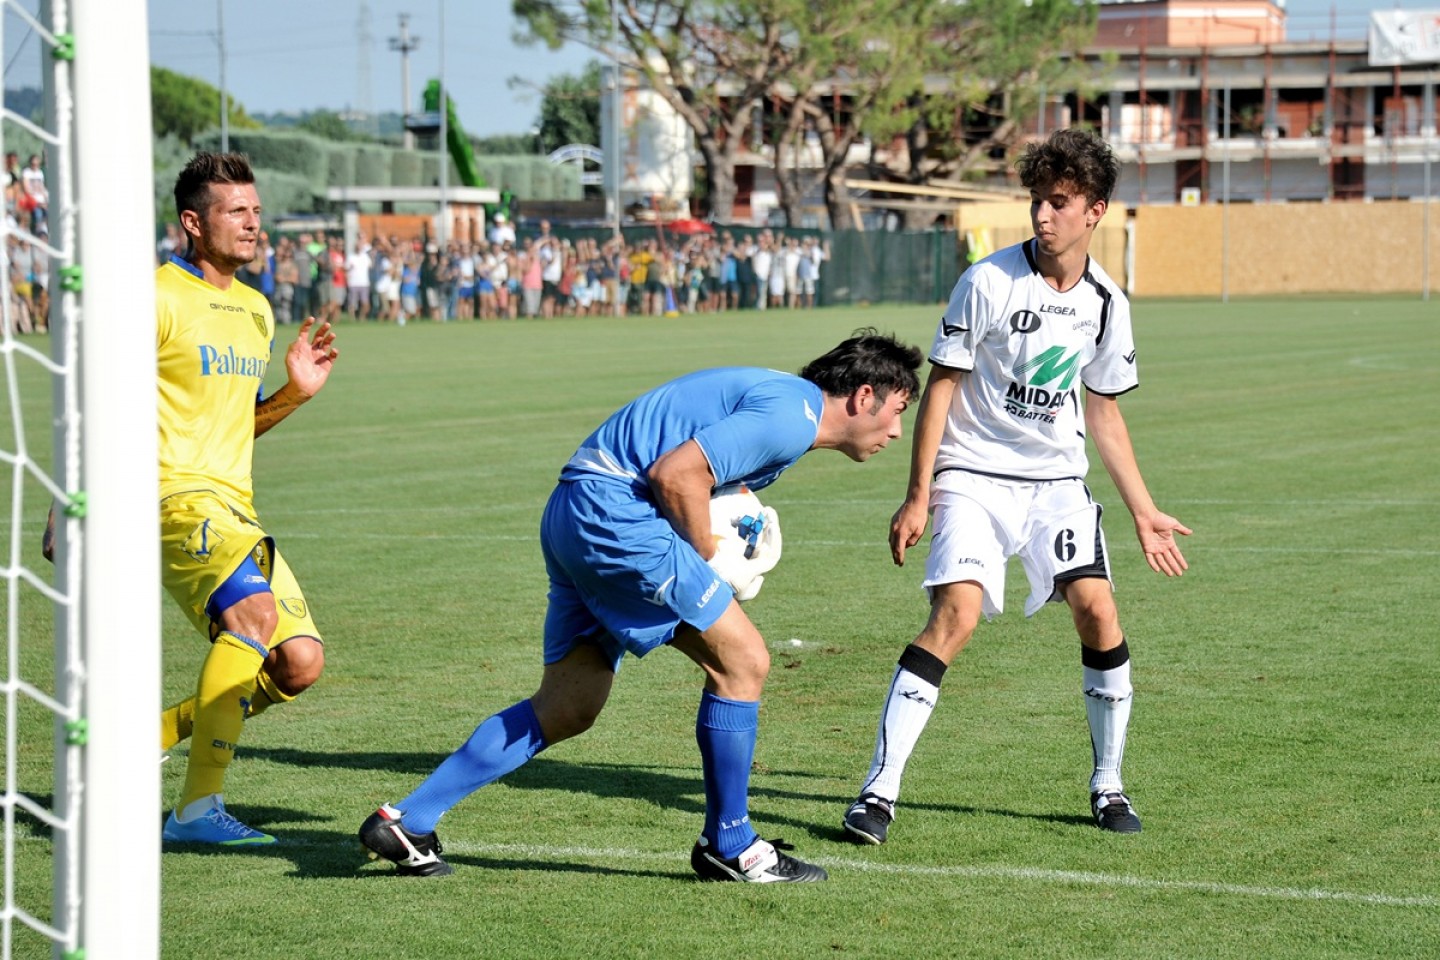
point(192, 187)
point(1072, 156)
point(868, 357)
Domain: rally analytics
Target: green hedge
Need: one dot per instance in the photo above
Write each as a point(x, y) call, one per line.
point(341, 171)
point(289, 151)
point(405, 169)
point(372, 166)
point(282, 192)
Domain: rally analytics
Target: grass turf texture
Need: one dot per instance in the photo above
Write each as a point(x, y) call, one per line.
point(1282, 752)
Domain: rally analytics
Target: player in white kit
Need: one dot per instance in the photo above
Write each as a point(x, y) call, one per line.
point(1031, 354)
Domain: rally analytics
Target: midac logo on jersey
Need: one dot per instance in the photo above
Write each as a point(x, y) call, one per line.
point(213, 362)
point(1035, 385)
point(1050, 366)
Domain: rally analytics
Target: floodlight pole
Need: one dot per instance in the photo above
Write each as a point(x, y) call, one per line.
point(224, 94)
point(444, 231)
point(404, 44)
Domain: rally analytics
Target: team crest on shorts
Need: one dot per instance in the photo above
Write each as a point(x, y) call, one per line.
point(201, 542)
point(259, 319)
point(293, 606)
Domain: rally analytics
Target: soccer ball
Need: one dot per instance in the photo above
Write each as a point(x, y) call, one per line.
point(737, 514)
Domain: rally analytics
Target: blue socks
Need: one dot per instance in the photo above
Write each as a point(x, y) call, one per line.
point(725, 730)
point(501, 744)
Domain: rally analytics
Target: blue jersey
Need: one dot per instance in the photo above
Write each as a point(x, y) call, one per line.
point(752, 424)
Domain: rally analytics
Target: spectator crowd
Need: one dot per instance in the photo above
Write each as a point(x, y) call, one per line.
point(539, 274)
point(27, 261)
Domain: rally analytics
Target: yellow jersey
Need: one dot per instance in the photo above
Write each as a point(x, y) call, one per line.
point(213, 349)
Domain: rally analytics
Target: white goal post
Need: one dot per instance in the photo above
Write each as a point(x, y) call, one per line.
point(104, 816)
point(119, 471)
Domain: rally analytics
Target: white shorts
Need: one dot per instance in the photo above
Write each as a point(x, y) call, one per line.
point(980, 522)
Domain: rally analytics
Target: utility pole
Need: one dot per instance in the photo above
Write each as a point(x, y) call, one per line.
point(405, 43)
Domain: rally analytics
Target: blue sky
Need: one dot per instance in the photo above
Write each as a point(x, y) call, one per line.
point(295, 55)
point(303, 54)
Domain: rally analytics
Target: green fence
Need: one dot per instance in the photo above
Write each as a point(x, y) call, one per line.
point(863, 267)
point(868, 267)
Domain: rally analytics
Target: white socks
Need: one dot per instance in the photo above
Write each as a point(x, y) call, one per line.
point(907, 708)
point(1107, 706)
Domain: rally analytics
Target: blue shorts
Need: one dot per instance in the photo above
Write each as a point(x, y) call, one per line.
point(620, 575)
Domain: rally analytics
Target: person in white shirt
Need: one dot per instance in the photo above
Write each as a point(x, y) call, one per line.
point(1030, 357)
point(501, 233)
point(357, 281)
point(762, 262)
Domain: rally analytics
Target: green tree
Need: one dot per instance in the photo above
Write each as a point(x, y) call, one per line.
point(952, 84)
point(712, 61)
point(1012, 52)
point(504, 145)
point(570, 112)
point(185, 106)
point(329, 125)
point(855, 65)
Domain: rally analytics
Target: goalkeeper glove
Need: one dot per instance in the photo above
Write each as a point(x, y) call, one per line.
point(743, 563)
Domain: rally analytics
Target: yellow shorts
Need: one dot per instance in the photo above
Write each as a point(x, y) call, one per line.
point(203, 541)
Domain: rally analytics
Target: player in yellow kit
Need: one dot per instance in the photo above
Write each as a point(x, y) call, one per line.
point(215, 339)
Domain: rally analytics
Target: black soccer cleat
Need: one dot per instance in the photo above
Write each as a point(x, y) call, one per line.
point(1113, 812)
point(868, 819)
point(414, 854)
point(761, 862)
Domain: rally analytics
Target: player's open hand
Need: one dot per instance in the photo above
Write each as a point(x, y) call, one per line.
point(310, 358)
point(1157, 539)
point(907, 527)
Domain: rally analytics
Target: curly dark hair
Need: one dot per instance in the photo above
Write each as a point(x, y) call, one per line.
point(868, 357)
point(192, 187)
point(1071, 156)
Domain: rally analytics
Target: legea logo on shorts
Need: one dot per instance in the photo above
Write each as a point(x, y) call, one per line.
point(709, 592)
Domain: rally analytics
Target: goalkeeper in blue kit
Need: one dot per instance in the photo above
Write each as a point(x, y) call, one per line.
point(634, 564)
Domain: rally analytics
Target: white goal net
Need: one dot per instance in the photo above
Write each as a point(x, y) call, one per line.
point(81, 797)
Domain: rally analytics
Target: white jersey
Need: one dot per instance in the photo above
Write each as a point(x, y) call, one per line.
point(1028, 349)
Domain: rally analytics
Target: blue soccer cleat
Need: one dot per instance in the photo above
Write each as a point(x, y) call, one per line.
point(214, 826)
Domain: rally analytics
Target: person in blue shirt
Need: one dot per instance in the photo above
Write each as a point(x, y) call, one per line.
point(634, 565)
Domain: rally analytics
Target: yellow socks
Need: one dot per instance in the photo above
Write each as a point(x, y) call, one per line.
point(177, 723)
point(268, 695)
point(228, 681)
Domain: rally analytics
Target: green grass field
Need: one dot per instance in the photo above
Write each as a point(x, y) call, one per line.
point(1283, 751)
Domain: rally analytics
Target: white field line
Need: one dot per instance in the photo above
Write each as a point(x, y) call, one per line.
point(1022, 874)
point(1037, 875)
point(876, 543)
